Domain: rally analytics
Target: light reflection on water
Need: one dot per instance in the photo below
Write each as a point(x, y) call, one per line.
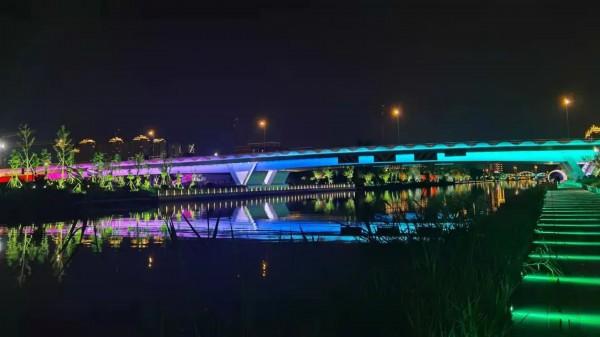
point(155, 261)
point(318, 216)
point(311, 217)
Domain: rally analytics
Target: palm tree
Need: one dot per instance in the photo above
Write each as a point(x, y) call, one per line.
point(329, 174)
point(349, 173)
point(385, 176)
point(368, 178)
point(318, 175)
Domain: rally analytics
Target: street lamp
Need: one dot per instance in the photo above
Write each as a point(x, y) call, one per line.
point(566, 102)
point(151, 134)
point(397, 113)
point(262, 123)
point(2, 149)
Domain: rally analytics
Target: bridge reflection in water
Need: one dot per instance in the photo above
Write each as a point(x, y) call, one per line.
point(314, 217)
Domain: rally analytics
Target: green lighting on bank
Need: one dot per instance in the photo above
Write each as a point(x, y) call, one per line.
point(576, 280)
point(542, 316)
point(569, 225)
point(566, 257)
point(567, 233)
point(567, 243)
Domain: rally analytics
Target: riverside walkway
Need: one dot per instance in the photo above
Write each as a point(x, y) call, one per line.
point(560, 292)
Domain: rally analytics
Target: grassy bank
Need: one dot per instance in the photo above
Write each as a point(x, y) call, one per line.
point(458, 284)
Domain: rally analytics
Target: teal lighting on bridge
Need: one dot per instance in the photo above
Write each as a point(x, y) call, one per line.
point(565, 153)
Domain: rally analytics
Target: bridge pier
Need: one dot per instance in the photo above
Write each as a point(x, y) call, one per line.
point(247, 175)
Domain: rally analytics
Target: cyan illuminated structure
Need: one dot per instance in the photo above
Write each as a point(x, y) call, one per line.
point(273, 168)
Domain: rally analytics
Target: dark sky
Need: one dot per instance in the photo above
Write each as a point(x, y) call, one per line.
point(318, 71)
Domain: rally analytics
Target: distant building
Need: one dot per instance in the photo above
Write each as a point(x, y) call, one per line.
point(86, 148)
point(175, 150)
point(496, 168)
point(259, 147)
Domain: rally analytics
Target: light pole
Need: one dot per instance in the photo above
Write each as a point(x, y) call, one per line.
point(263, 125)
point(151, 136)
point(396, 113)
point(566, 102)
point(2, 149)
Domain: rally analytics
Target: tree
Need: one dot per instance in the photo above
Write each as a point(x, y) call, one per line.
point(328, 174)
point(99, 164)
point(368, 178)
point(14, 161)
point(63, 146)
point(45, 160)
point(26, 140)
point(318, 175)
point(349, 173)
point(385, 176)
point(139, 162)
point(165, 172)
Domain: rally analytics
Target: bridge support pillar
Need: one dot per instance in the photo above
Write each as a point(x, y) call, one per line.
point(241, 173)
point(572, 170)
point(247, 175)
point(268, 178)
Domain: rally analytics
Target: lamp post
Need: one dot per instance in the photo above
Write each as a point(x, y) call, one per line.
point(2, 149)
point(396, 113)
point(263, 125)
point(566, 102)
point(151, 134)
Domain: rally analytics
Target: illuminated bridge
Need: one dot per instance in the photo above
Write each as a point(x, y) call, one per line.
point(273, 168)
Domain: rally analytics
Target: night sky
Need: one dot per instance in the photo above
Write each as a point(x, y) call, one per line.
point(320, 72)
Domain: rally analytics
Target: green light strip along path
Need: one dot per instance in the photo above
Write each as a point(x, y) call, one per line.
point(576, 233)
point(556, 320)
point(565, 257)
point(567, 243)
point(575, 280)
point(569, 227)
point(543, 224)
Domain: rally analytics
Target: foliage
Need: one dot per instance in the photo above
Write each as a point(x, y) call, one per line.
point(318, 175)
point(385, 176)
point(349, 173)
point(139, 162)
point(45, 159)
point(26, 141)
point(99, 164)
point(329, 174)
point(14, 161)
point(63, 146)
point(368, 178)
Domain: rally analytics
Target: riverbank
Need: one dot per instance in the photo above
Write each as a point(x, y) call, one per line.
point(30, 204)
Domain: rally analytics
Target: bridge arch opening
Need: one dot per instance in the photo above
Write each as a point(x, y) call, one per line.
point(557, 176)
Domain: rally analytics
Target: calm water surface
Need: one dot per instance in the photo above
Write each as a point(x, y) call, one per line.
point(265, 266)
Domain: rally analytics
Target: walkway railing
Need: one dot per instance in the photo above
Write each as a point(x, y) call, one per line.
point(235, 190)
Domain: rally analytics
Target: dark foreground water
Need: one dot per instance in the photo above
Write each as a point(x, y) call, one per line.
point(297, 265)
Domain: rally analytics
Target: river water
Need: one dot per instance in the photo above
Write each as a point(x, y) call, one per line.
point(264, 266)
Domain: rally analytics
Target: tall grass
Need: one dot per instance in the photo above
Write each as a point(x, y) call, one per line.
point(461, 283)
